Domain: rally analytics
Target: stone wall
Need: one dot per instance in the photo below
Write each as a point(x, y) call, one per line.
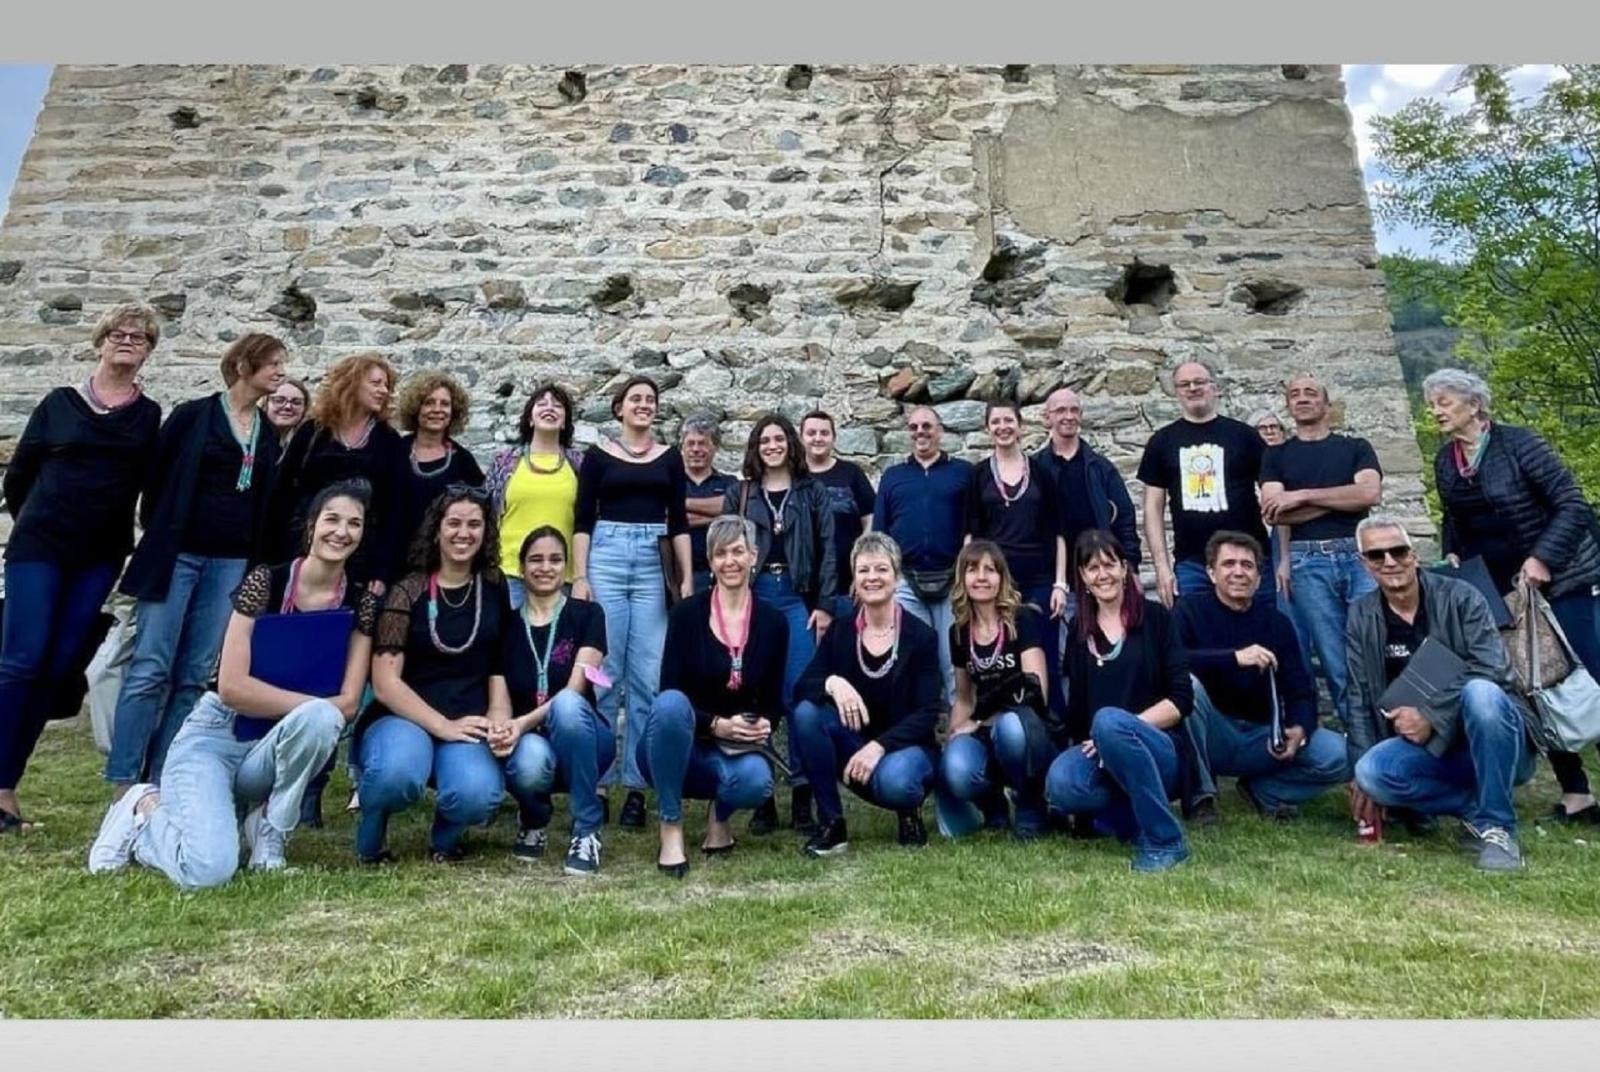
point(755, 237)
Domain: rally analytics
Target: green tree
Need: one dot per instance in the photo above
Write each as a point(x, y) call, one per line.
point(1511, 188)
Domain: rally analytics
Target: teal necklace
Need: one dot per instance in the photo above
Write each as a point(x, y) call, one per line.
point(247, 467)
point(541, 660)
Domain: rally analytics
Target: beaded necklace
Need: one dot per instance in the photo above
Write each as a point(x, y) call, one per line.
point(289, 604)
point(648, 447)
point(777, 511)
point(561, 459)
point(366, 434)
point(541, 661)
point(101, 406)
point(435, 594)
point(1116, 649)
point(861, 646)
point(1000, 484)
point(247, 448)
point(416, 466)
point(983, 663)
point(735, 645)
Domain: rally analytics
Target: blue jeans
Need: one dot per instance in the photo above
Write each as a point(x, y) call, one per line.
point(1326, 576)
point(1579, 615)
point(625, 575)
point(399, 759)
point(1013, 751)
point(574, 748)
point(1228, 746)
point(776, 590)
point(680, 766)
point(192, 835)
point(1192, 581)
point(50, 611)
point(1473, 779)
point(1127, 786)
point(936, 615)
point(900, 782)
point(177, 640)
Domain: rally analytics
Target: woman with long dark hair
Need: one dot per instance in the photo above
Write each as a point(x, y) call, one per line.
point(535, 483)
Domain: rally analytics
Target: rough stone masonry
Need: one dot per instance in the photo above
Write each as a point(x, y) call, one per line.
point(754, 237)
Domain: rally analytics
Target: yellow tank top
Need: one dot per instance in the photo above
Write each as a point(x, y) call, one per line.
point(535, 499)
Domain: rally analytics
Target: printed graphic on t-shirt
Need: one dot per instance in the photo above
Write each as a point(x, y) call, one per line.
point(1204, 490)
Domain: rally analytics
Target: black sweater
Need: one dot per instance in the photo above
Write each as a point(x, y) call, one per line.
point(610, 489)
point(75, 477)
point(696, 663)
point(1211, 632)
point(1158, 669)
point(903, 706)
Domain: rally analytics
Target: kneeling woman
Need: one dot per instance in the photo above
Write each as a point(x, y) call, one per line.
point(440, 690)
point(1128, 694)
point(721, 695)
point(250, 743)
point(1002, 733)
point(561, 740)
point(868, 704)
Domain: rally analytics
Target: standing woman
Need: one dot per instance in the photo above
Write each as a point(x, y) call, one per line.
point(286, 409)
point(1128, 693)
point(251, 746)
point(721, 695)
point(433, 411)
point(630, 495)
point(440, 690)
point(1002, 734)
point(795, 569)
point(1508, 497)
point(535, 484)
point(869, 703)
point(71, 487)
point(202, 510)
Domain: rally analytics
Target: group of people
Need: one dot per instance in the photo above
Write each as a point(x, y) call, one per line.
point(972, 631)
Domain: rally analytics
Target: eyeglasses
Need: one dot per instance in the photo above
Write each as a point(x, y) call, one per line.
point(136, 338)
point(1184, 385)
point(921, 426)
point(1376, 555)
point(286, 403)
point(1269, 427)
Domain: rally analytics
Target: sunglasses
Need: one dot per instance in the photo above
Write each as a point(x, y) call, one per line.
point(467, 491)
point(1376, 555)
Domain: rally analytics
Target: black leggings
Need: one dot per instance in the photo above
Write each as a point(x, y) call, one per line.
point(1568, 769)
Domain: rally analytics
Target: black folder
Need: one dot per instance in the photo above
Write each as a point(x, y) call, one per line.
point(1432, 672)
point(1476, 573)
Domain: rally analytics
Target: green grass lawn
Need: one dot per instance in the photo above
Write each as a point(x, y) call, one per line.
point(1265, 921)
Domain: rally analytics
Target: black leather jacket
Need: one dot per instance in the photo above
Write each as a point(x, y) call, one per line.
point(807, 534)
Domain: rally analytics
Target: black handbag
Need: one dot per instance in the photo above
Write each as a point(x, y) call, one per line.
point(931, 586)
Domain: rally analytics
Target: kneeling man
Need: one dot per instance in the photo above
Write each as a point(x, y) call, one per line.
point(1461, 754)
point(1239, 651)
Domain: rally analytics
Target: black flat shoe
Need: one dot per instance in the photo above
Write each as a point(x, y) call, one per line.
point(677, 870)
point(719, 850)
point(764, 820)
point(453, 855)
point(1589, 816)
point(383, 858)
point(10, 822)
point(633, 816)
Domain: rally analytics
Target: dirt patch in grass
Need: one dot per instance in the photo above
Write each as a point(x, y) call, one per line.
point(1050, 957)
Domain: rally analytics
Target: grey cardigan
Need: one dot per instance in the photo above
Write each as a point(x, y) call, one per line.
point(1458, 617)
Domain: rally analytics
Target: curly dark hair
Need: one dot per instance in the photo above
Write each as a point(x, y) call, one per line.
point(416, 390)
point(561, 395)
point(425, 558)
point(754, 467)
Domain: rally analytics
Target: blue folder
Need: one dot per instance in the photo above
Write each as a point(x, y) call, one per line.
point(302, 652)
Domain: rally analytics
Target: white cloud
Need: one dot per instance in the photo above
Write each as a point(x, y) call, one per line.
point(1417, 76)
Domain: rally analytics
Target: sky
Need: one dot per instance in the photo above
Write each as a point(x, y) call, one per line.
point(1370, 90)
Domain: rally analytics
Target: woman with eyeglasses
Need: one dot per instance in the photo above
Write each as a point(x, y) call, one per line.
point(432, 411)
point(1002, 734)
point(286, 408)
point(251, 746)
point(535, 483)
point(1128, 692)
point(1269, 428)
point(630, 503)
point(441, 706)
point(203, 508)
point(1510, 499)
point(795, 570)
point(556, 735)
point(721, 696)
point(85, 454)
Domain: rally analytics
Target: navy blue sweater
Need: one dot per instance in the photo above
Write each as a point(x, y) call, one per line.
point(1212, 631)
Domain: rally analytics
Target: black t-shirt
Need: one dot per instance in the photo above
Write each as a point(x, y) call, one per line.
point(1025, 529)
point(581, 625)
point(1072, 477)
point(715, 484)
point(222, 521)
point(851, 496)
point(1209, 472)
point(455, 685)
point(1320, 463)
point(426, 481)
point(1401, 639)
point(1001, 683)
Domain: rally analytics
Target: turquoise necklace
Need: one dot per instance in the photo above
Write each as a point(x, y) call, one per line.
point(247, 467)
point(541, 660)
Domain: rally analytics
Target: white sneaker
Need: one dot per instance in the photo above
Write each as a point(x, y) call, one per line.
point(113, 846)
point(266, 843)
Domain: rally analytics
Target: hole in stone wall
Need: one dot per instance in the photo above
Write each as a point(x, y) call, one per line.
point(294, 306)
point(1015, 73)
point(366, 98)
point(504, 388)
point(9, 270)
point(1144, 284)
point(798, 77)
point(170, 306)
point(184, 118)
point(881, 293)
point(573, 87)
point(1295, 72)
point(1269, 297)
point(750, 301)
point(616, 288)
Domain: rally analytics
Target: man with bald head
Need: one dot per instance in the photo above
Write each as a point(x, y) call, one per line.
point(1091, 492)
point(921, 504)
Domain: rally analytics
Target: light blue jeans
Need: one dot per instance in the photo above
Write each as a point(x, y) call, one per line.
point(936, 615)
point(625, 576)
point(1326, 576)
point(192, 835)
point(680, 766)
point(574, 747)
point(175, 648)
point(1228, 746)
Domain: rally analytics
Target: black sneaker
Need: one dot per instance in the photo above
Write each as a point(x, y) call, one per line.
point(1204, 812)
point(912, 833)
point(802, 817)
point(583, 856)
point(831, 840)
point(632, 817)
point(453, 855)
point(530, 844)
point(764, 820)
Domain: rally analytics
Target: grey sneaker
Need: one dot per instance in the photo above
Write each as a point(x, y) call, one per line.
point(1500, 851)
point(266, 842)
point(530, 844)
point(583, 857)
point(113, 846)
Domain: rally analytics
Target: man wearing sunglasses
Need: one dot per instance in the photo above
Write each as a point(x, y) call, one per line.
point(1461, 754)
